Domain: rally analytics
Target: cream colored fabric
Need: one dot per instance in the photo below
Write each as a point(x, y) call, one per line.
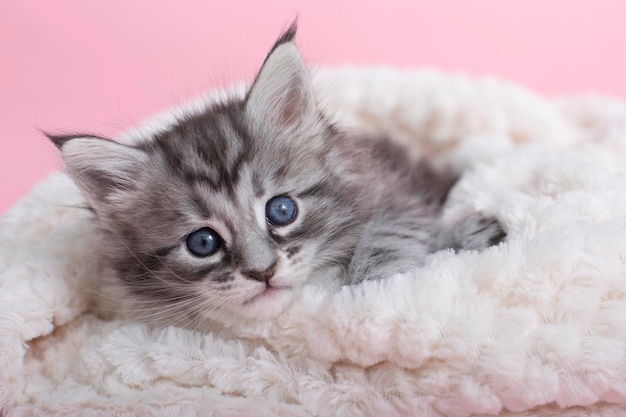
point(533, 327)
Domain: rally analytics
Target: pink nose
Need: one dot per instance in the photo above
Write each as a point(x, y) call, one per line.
point(261, 276)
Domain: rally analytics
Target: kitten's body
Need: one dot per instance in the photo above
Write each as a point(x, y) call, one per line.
point(363, 209)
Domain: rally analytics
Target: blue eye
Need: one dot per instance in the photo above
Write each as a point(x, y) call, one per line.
point(204, 242)
point(281, 210)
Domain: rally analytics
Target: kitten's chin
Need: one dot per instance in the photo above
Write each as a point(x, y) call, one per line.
point(268, 304)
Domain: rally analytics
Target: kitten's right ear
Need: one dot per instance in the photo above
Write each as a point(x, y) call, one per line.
point(100, 167)
point(282, 93)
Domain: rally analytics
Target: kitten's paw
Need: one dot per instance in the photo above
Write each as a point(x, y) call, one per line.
point(475, 232)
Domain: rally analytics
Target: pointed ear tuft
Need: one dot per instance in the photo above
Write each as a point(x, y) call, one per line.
point(288, 36)
point(101, 167)
point(282, 93)
point(60, 140)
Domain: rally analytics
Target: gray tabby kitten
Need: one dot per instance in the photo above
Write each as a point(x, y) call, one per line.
point(227, 214)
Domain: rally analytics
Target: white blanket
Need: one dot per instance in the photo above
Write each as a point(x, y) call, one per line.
point(535, 326)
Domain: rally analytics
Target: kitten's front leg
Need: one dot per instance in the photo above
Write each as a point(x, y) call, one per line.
point(399, 239)
point(394, 241)
point(474, 232)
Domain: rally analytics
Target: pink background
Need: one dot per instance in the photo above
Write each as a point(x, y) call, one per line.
point(101, 67)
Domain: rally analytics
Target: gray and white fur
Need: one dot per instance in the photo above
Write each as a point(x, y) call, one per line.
point(364, 210)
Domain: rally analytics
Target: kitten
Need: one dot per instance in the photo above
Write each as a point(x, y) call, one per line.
point(228, 213)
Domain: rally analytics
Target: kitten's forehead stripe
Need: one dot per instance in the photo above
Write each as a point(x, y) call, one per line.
point(199, 205)
point(280, 173)
point(316, 190)
point(209, 148)
point(257, 185)
point(228, 222)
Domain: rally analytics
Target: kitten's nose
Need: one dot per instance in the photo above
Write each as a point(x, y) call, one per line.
point(261, 276)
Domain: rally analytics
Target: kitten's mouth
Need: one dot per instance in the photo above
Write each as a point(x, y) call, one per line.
point(268, 292)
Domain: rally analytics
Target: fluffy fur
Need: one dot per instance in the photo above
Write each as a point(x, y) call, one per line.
point(365, 210)
point(532, 327)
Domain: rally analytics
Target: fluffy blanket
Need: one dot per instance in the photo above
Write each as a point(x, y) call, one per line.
point(535, 326)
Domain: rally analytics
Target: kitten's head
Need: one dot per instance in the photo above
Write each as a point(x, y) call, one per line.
point(230, 211)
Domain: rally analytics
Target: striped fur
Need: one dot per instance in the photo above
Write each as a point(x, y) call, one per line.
point(364, 210)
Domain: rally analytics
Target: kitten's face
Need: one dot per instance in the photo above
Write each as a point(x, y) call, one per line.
point(228, 213)
point(236, 234)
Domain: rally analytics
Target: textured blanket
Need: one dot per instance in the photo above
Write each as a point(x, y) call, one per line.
point(533, 327)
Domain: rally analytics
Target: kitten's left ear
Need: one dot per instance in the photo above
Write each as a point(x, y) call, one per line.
point(282, 93)
point(100, 167)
